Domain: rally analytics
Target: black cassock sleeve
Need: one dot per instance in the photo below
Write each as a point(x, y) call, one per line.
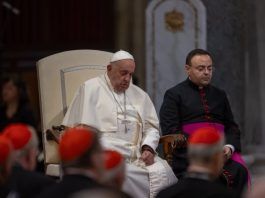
point(170, 114)
point(232, 131)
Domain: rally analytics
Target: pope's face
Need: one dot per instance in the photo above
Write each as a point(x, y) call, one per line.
point(120, 74)
point(201, 69)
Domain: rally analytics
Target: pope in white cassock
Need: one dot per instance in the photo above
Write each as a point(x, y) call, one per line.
point(127, 120)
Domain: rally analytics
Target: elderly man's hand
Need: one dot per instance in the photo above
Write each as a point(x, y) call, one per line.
point(227, 153)
point(147, 157)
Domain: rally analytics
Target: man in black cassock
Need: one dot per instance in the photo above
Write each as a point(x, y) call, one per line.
point(205, 153)
point(195, 103)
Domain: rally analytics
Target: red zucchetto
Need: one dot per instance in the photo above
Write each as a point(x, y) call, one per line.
point(206, 135)
point(74, 143)
point(113, 159)
point(19, 134)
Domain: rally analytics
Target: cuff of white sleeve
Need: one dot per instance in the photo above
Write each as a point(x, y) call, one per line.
point(231, 147)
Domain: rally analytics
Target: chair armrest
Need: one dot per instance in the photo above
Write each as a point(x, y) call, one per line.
point(169, 144)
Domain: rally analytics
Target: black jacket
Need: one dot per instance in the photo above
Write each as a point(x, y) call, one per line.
point(27, 184)
point(72, 184)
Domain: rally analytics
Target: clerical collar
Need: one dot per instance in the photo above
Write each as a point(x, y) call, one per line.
point(192, 84)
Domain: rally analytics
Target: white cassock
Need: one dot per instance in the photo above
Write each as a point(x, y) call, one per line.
point(127, 121)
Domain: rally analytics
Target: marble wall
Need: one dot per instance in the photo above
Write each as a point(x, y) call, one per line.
point(236, 37)
point(259, 15)
point(253, 87)
point(225, 40)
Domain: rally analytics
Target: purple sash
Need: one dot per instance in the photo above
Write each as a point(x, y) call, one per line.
point(190, 128)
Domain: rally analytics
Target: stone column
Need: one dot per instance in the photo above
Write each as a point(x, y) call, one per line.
point(225, 40)
point(138, 39)
point(123, 14)
point(130, 32)
point(260, 7)
point(253, 119)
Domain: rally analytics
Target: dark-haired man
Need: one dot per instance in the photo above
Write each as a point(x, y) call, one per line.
point(195, 103)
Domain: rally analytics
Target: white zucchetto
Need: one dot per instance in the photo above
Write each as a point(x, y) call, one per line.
point(121, 55)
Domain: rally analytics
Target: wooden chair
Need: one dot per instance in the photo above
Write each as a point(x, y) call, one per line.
point(169, 144)
point(59, 77)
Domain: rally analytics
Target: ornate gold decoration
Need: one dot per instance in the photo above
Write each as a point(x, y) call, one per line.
point(174, 21)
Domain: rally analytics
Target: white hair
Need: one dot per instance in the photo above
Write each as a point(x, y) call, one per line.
point(32, 144)
point(203, 152)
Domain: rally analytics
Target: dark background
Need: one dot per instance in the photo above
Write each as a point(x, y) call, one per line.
point(44, 27)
